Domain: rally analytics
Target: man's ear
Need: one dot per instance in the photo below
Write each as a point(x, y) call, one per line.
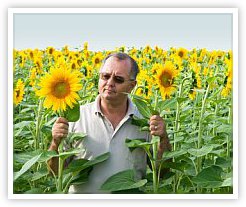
point(132, 85)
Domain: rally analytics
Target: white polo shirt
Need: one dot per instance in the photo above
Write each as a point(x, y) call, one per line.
point(101, 138)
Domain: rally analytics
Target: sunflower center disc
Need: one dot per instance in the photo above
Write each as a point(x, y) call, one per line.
point(166, 79)
point(61, 89)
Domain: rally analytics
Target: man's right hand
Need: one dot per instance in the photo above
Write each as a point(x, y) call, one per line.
point(59, 131)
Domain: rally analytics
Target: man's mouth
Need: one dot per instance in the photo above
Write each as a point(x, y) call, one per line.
point(109, 90)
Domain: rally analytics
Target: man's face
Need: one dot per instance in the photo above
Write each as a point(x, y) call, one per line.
point(115, 79)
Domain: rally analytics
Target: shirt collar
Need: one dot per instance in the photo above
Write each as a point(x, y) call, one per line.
point(131, 108)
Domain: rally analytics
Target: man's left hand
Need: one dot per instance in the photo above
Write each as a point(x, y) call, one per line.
point(157, 126)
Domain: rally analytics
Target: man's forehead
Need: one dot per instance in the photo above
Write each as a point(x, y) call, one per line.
point(115, 64)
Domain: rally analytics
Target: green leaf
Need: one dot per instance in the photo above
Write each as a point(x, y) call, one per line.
point(25, 156)
point(39, 174)
point(223, 162)
point(227, 182)
point(75, 165)
point(168, 104)
point(22, 124)
point(69, 153)
point(225, 128)
point(209, 177)
point(97, 160)
point(72, 137)
point(81, 177)
point(135, 143)
point(180, 100)
point(140, 122)
point(46, 155)
point(175, 165)
point(26, 166)
point(82, 164)
point(72, 115)
point(211, 79)
point(35, 191)
point(79, 169)
point(173, 154)
point(200, 152)
point(142, 106)
point(122, 181)
point(155, 139)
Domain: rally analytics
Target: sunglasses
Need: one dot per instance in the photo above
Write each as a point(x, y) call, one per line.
point(117, 79)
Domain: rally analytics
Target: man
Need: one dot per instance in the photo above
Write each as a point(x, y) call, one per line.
point(107, 123)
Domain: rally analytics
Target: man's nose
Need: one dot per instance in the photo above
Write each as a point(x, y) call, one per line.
point(111, 80)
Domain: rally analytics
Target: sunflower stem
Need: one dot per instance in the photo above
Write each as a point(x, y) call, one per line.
point(60, 169)
point(155, 153)
point(60, 161)
point(38, 124)
point(228, 137)
point(200, 140)
point(61, 113)
point(177, 126)
point(201, 117)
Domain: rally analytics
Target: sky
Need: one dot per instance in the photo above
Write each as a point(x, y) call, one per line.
point(106, 31)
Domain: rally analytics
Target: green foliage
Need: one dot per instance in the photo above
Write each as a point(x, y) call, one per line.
point(124, 180)
point(72, 115)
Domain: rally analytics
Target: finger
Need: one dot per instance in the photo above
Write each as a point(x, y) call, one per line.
point(62, 126)
point(158, 121)
point(62, 120)
point(155, 117)
point(154, 128)
point(60, 130)
point(59, 134)
point(63, 134)
point(154, 122)
point(59, 127)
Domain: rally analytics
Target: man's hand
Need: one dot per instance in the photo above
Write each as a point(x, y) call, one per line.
point(59, 131)
point(157, 126)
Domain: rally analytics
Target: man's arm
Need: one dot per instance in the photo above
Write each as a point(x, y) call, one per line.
point(59, 131)
point(158, 128)
point(164, 145)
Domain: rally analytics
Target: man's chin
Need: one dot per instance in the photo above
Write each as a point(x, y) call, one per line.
point(109, 95)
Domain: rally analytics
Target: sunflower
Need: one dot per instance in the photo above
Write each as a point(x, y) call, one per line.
point(97, 59)
point(182, 53)
point(50, 50)
point(86, 46)
point(59, 88)
point(228, 82)
point(192, 94)
point(19, 92)
point(33, 76)
point(165, 79)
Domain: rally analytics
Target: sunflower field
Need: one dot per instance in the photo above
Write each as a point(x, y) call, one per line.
point(190, 89)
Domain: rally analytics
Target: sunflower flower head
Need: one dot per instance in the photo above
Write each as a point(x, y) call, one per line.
point(182, 53)
point(19, 92)
point(60, 88)
point(85, 46)
point(165, 77)
point(192, 94)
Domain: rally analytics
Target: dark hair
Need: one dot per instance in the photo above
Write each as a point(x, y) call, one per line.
point(124, 56)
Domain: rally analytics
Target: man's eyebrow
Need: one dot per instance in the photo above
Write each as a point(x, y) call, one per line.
point(108, 73)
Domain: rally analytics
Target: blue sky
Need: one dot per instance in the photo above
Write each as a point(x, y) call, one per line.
point(111, 30)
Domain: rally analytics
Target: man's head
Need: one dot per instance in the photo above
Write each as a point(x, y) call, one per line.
point(124, 56)
point(117, 76)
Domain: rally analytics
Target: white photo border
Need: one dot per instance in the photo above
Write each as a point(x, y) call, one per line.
point(233, 11)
